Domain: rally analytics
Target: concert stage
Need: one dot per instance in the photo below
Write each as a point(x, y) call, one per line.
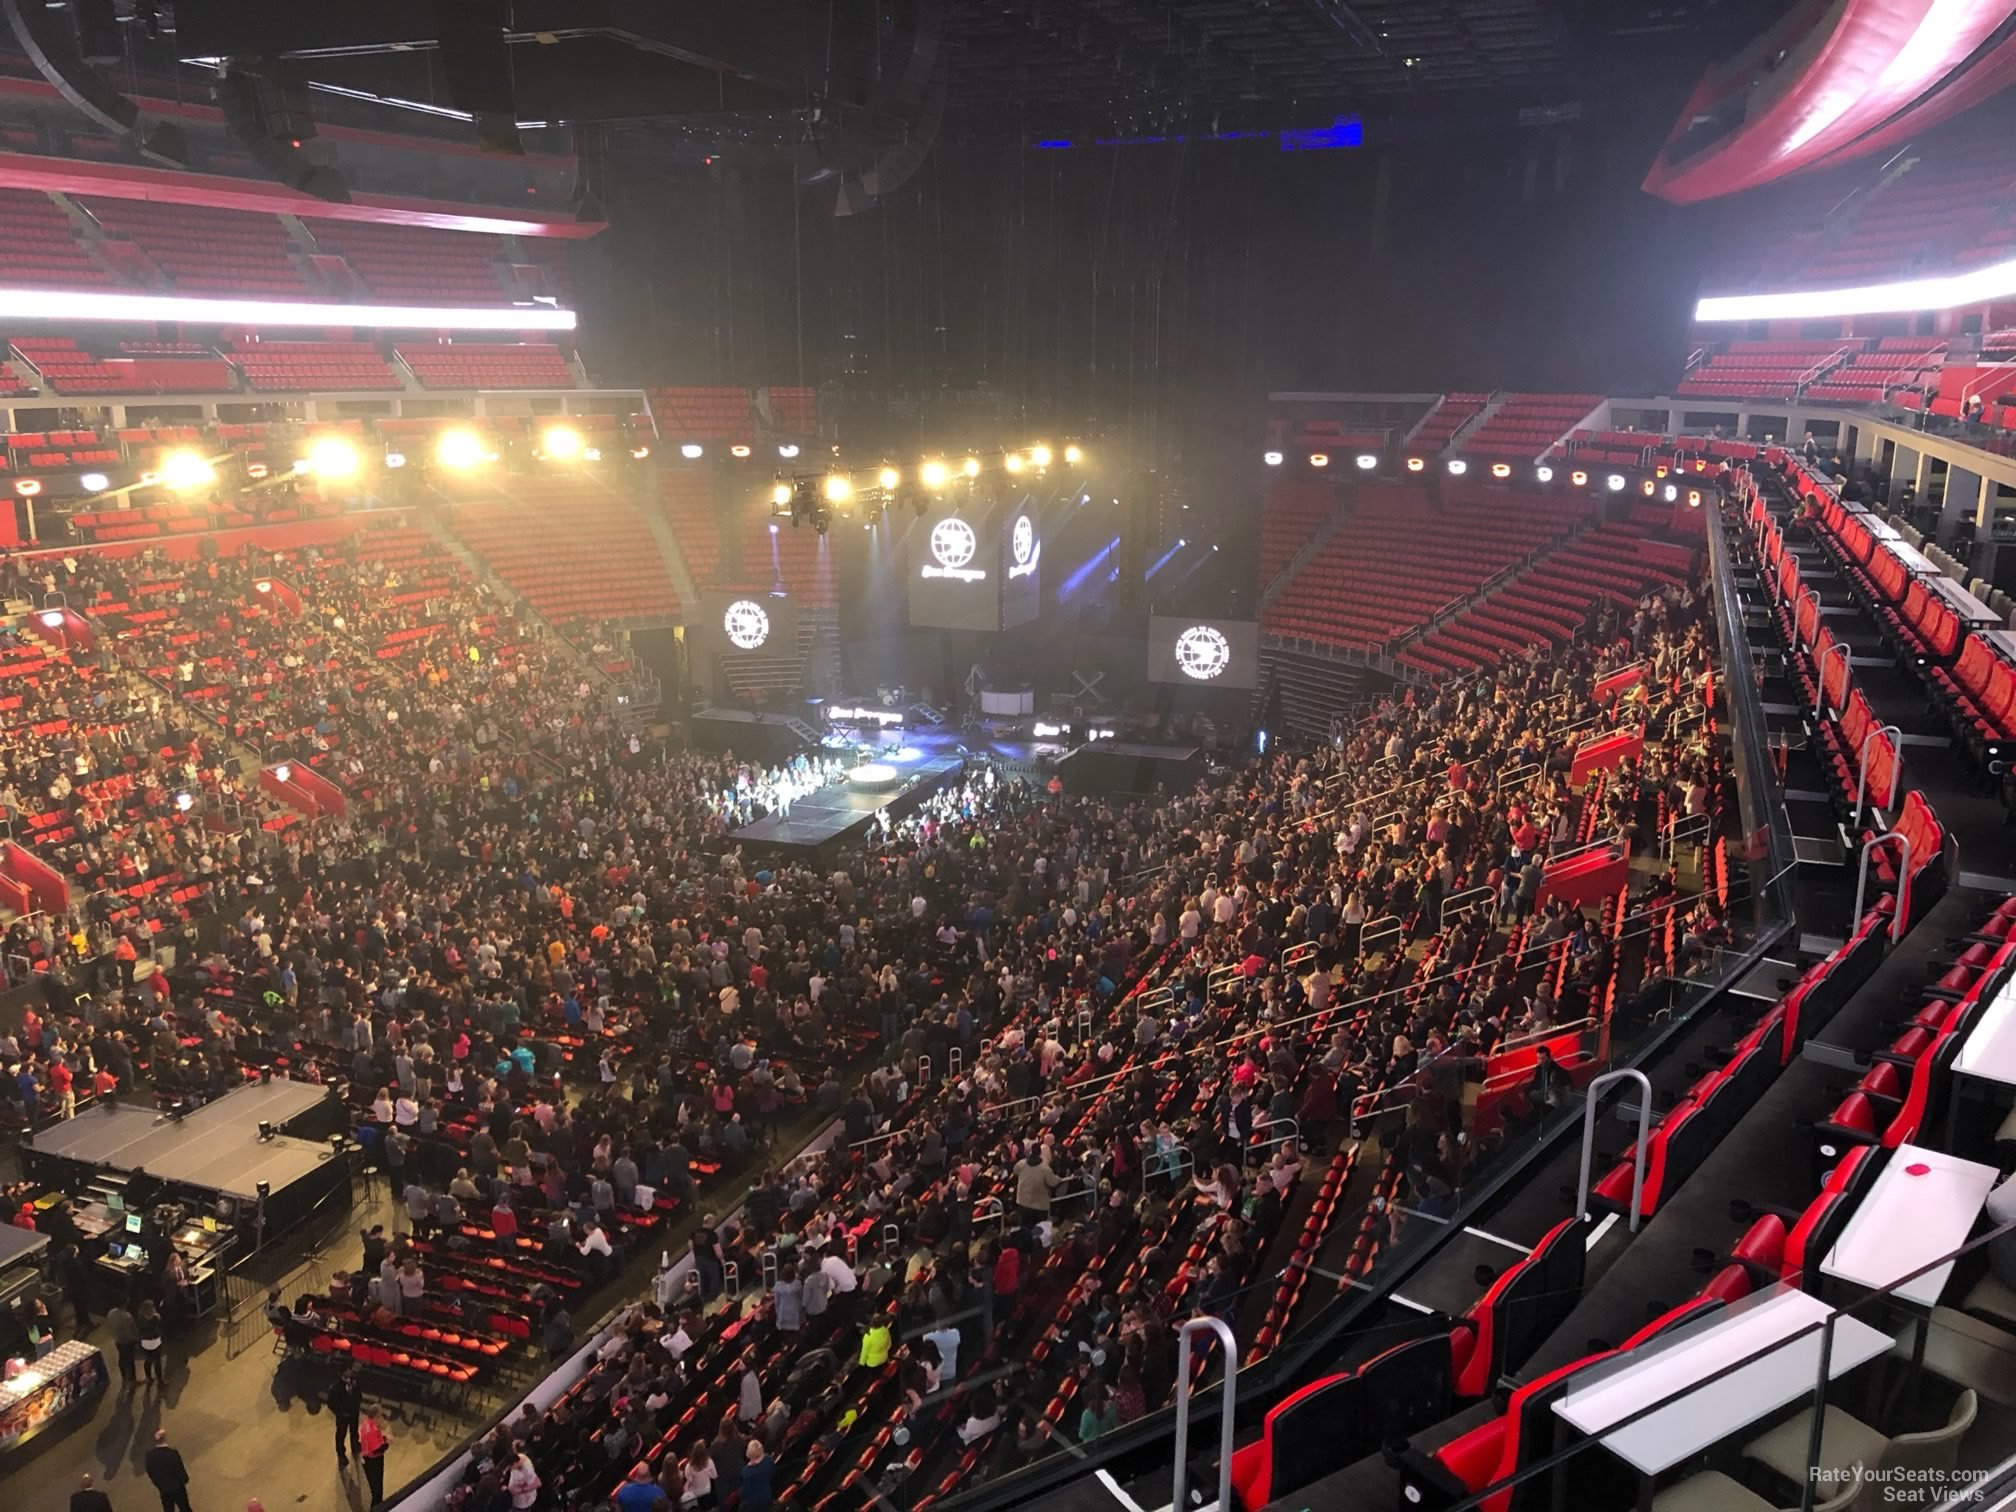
point(897, 780)
point(1129, 768)
point(213, 1151)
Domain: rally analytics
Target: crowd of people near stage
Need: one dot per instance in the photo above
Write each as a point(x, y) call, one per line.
point(1058, 1034)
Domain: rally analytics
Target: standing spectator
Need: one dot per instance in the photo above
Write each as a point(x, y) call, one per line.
point(373, 1441)
point(170, 1476)
point(1035, 1183)
point(88, 1498)
point(697, 1473)
point(345, 1402)
point(638, 1493)
point(757, 1470)
point(521, 1481)
point(151, 1343)
point(76, 1285)
point(126, 1339)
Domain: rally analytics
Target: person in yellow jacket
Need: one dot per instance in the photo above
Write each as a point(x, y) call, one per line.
point(876, 1342)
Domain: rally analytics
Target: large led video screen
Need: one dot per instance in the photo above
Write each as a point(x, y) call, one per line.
point(748, 624)
point(1203, 653)
point(955, 574)
point(1021, 564)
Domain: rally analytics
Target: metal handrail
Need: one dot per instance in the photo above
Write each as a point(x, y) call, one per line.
point(1903, 881)
point(1820, 676)
point(1862, 771)
point(1229, 1386)
point(1589, 1139)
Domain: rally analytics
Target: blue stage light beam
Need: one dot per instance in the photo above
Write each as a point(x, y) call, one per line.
point(1163, 560)
point(1083, 575)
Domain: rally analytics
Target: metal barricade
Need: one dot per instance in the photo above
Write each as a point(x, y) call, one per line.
point(991, 1210)
point(923, 1071)
point(1295, 955)
point(1685, 829)
point(731, 1279)
point(1512, 779)
point(1461, 905)
point(768, 1262)
point(1082, 1022)
point(892, 1239)
point(955, 1062)
point(1273, 1141)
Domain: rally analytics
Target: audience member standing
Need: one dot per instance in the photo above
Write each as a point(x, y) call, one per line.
point(170, 1476)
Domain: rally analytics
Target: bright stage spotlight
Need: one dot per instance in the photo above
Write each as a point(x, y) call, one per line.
point(837, 488)
point(1693, 498)
point(1672, 494)
point(561, 443)
point(1501, 469)
point(460, 449)
point(1319, 459)
point(591, 454)
point(1416, 464)
point(781, 494)
point(1544, 473)
point(787, 449)
point(933, 474)
point(1073, 455)
point(94, 482)
point(970, 467)
point(1579, 478)
point(1040, 455)
point(1366, 461)
point(639, 453)
point(395, 459)
point(1615, 482)
point(182, 470)
point(1272, 459)
point(738, 450)
point(889, 477)
point(1458, 467)
point(28, 487)
point(333, 457)
point(1013, 462)
point(1646, 487)
point(692, 451)
point(52, 619)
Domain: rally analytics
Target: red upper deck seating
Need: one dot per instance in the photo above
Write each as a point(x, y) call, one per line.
point(1525, 425)
point(69, 369)
point(304, 366)
point(39, 247)
point(419, 263)
point(205, 251)
point(702, 414)
point(1455, 411)
point(487, 365)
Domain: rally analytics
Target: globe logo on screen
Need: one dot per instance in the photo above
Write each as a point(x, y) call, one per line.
point(1202, 653)
point(746, 624)
point(953, 542)
point(1023, 539)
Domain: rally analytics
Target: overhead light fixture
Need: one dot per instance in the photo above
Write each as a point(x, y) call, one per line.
point(1579, 478)
point(1073, 455)
point(1672, 493)
point(970, 467)
point(561, 443)
point(1693, 498)
point(395, 459)
point(889, 477)
point(258, 470)
point(184, 802)
point(692, 451)
point(28, 487)
point(933, 474)
point(333, 457)
point(1458, 467)
point(69, 304)
point(283, 773)
point(787, 449)
point(1544, 473)
point(1013, 462)
point(1040, 455)
point(1416, 464)
point(738, 450)
point(1615, 482)
point(52, 619)
point(94, 482)
point(592, 454)
point(184, 470)
point(837, 488)
point(639, 453)
point(460, 448)
point(1647, 487)
point(1319, 459)
point(1272, 458)
point(780, 494)
point(1366, 461)
point(1501, 469)
point(264, 585)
